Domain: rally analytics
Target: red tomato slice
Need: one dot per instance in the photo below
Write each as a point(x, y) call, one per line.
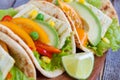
point(47, 47)
point(6, 18)
point(44, 52)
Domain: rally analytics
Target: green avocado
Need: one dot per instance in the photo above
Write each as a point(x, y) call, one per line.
point(52, 33)
point(93, 24)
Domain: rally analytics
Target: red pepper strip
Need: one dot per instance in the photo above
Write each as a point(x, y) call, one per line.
point(47, 47)
point(44, 52)
point(31, 48)
point(6, 18)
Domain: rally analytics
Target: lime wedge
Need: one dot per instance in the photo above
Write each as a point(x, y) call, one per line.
point(79, 65)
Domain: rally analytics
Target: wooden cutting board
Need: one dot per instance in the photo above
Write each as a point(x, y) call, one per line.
point(98, 65)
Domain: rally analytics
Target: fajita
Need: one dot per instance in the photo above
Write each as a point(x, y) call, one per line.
point(47, 37)
point(14, 62)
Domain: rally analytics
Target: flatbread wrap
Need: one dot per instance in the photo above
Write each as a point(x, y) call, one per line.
point(47, 35)
point(14, 62)
point(91, 24)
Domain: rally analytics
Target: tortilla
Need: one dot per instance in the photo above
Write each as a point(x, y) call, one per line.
point(23, 62)
point(108, 9)
point(58, 14)
point(6, 62)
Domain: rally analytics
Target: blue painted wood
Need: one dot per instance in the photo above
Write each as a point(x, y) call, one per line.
point(116, 4)
point(112, 65)
point(4, 4)
point(19, 2)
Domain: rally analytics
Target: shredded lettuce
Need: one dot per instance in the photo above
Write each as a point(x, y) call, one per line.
point(56, 62)
point(18, 75)
point(9, 11)
point(96, 3)
point(1, 77)
point(113, 35)
point(37, 56)
point(101, 48)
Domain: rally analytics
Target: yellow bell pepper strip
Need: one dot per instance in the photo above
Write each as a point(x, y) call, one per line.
point(30, 26)
point(21, 33)
point(4, 46)
point(83, 36)
point(76, 22)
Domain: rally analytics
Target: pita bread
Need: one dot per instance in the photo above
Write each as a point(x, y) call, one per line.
point(20, 55)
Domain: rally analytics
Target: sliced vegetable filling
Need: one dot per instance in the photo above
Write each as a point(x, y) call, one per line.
point(47, 53)
point(54, 62)
point(16, 74)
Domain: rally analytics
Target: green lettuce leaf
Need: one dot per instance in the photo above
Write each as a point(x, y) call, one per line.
point(1, 77)
point(96, 3)
point(113, 35)
point(9, 11)
point(56, 62)
point(37, 56)
point(18, 75)
point(101, 48)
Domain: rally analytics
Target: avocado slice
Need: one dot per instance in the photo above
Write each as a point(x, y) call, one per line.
point(52, 33)
point(94, 32)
